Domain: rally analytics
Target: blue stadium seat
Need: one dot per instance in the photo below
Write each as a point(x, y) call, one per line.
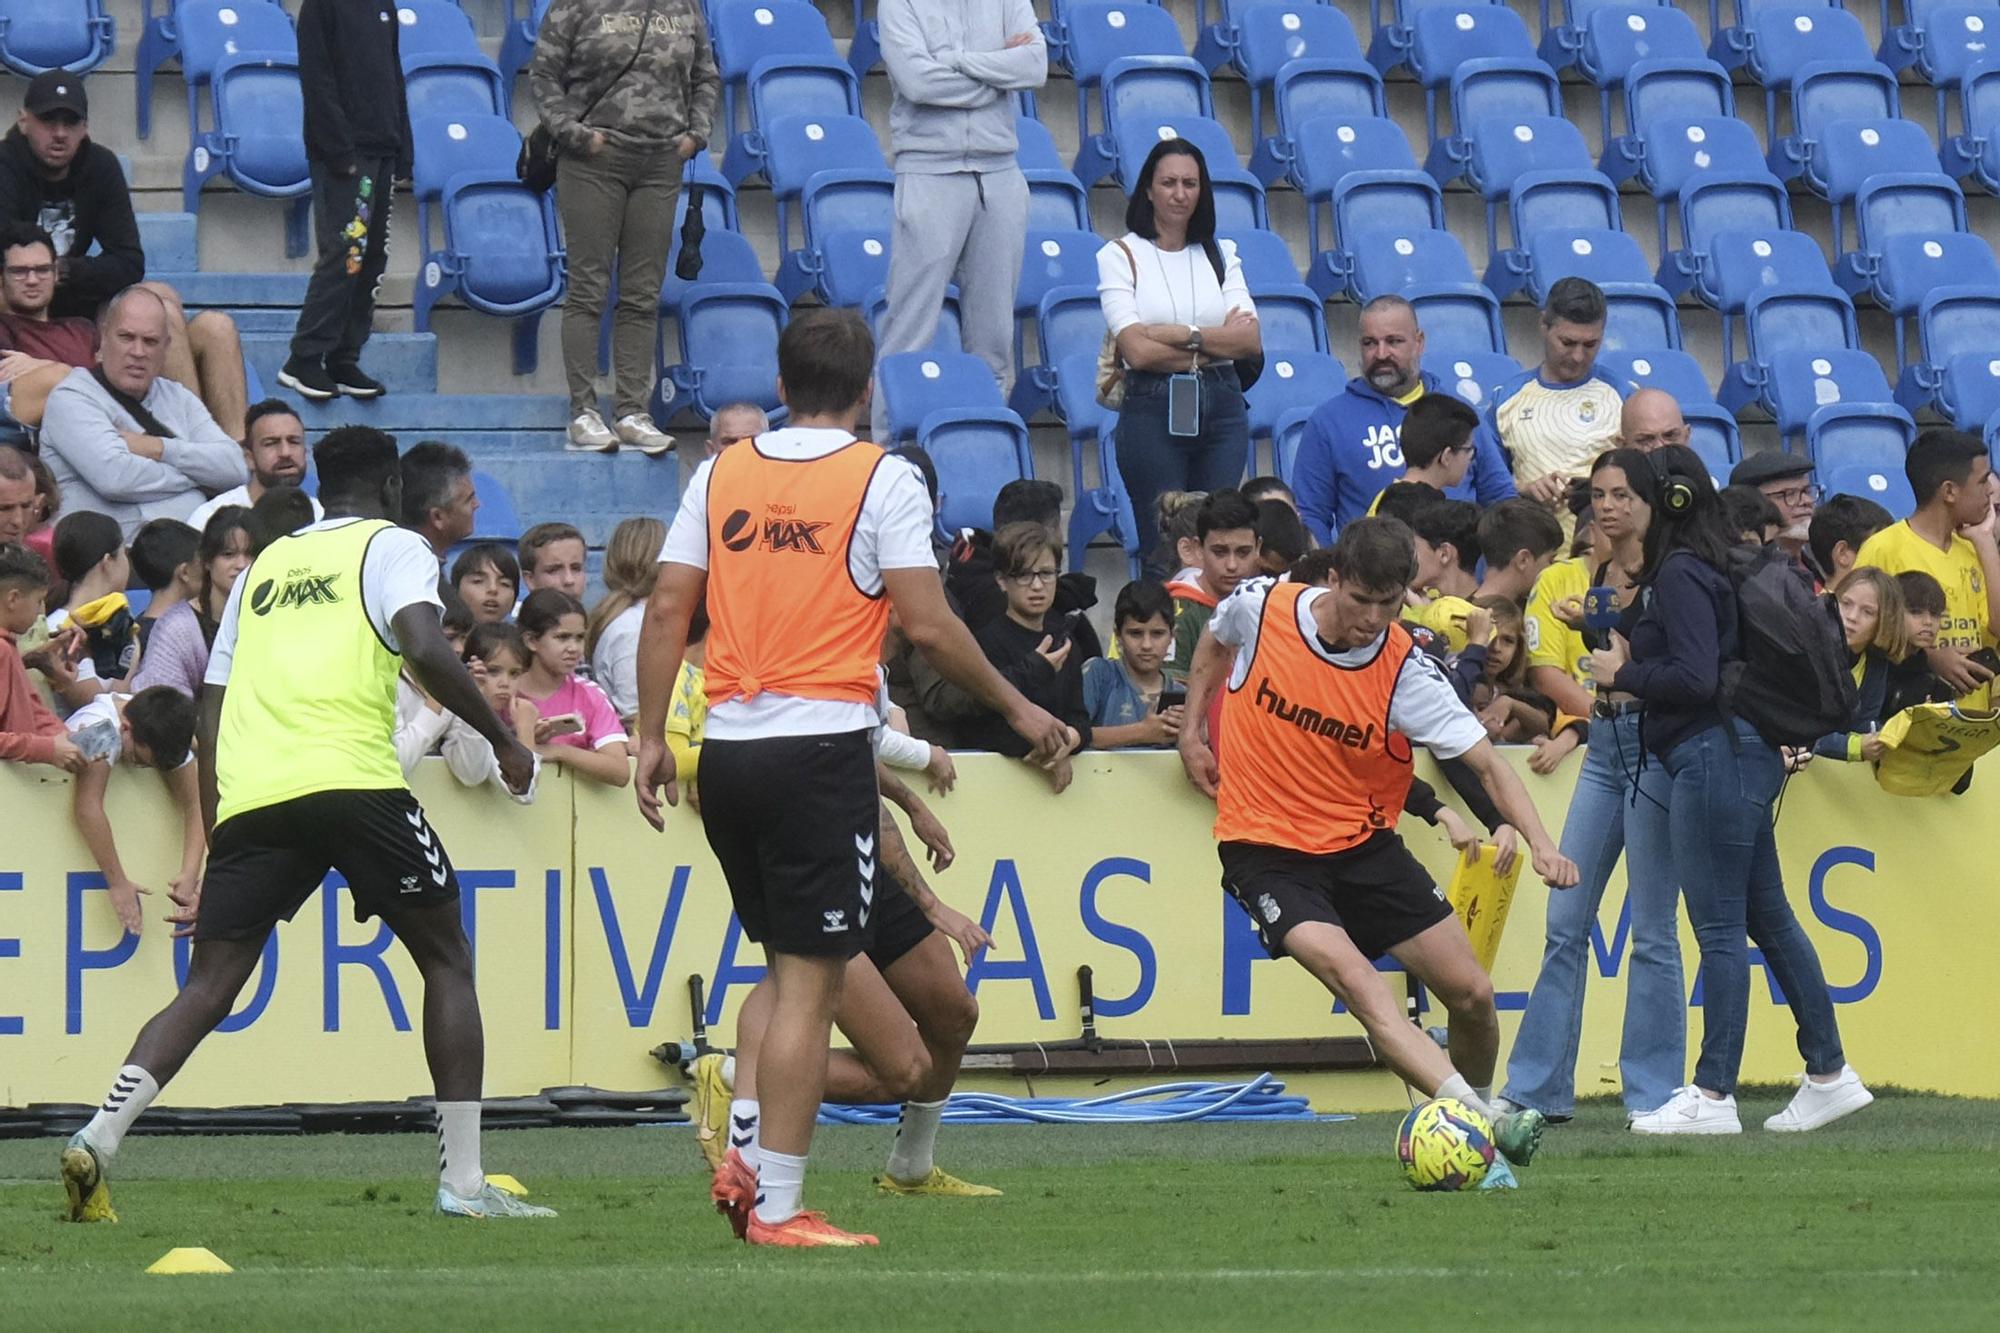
point(1270, 34)
point(1053, 261)
point(1942, 42)
point(1104, 507)
point(1266, 259)
point(844, 253)
point(1390, 262)
point(1890, 204)
point(1742, 263)
point(1305, 93)
point(257, 107)
point(434, 27)
point(1393, 39)
point(1778, 321)
point(1639, 316)
point(39, 35)
point(1462, 316)
point(1714, 202)
point(1503, 152)
point(1665, 92)
point(1680, 148)
point(1447, 41)
point(744, 34)
point(498, 250)
point(1825, 92)
point(495, 519)
point(1291, 379)
point(1614, 39)
point(1958, 329)
point(913, 385)
point(1551, 213)
point(1056, 199)
point(1365, 204)
point(1851, 151)
point(1090, 37)
point(1674, 372)
point(1911, 267)
point(1141, 90)
point(1491, 91)
point(1746, 12)
point(1975, 151)
point(1290, 317)
point(1285, 438)
point(1713, 435)
point(947, 337)
point(1859, 448)
point(976, 451)
point(790, 150)
point(726, 257)
point(813, 86)
point(452, 84)
point(1784, 40)
point(199, 33)
point(1069, 323)
point(517, 43)
point(1804, 381)
point(1474, 376)
point(1136, 138)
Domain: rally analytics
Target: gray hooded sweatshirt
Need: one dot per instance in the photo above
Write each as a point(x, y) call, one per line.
point(955, 77)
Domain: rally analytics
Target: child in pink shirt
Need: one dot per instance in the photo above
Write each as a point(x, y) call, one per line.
point(579, 727)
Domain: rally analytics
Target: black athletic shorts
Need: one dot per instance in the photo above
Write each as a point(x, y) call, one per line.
point(793, 821)
point(899, 925)
point(1376, 892)
point(265, 863)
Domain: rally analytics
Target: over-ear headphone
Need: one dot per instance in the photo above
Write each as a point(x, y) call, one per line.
point(1676, 496)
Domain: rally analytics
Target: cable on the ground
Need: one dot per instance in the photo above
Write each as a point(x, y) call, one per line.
point(1262, 1099)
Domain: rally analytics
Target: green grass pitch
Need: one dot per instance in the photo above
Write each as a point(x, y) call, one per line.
point(1891, 1216)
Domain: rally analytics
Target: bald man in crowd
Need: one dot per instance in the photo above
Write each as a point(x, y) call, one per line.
point(1651, 418)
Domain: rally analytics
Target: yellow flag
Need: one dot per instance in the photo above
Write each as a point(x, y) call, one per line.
point(1481, 896)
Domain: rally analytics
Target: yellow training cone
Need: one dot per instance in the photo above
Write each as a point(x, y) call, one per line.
point(189, 1259)
point(508, 1185)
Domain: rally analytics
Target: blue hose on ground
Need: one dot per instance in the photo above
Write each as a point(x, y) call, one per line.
point(1262, 1099)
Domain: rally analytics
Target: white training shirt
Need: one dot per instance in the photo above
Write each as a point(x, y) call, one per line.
point(104, 710)
point(399, 570)
point(892, 532)
point(198, 520)
point(1168, 287)
point(1424, 707)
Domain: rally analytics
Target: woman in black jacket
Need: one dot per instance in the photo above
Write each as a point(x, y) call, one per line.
point(1725, 780)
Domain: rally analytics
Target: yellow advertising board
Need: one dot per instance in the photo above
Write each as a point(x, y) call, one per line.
point(587, 926)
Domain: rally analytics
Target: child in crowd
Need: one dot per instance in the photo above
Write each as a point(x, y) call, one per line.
point(1912, 681)
point(279, 512)
point(1436, 440)
point(1839, 526)
point(1226, 535)
point(1876, 625)
point(1032, 652)
point(579, 728)
point(93, 563)
point(1752, 519)
point(1177, 512)
point(151, 729)
point(552, 556)
point(1447, 545)
point(1518, 539)
point(1281, 536)
point(178, 654)
point(1129, 700)
point(687, 711)
point(1259, 489)
point(163, 560)
point(29, 732)
point(457, 620)
point(501, 656)
point(487, 579)
point(631, 568)
point(1500, 695)
point(1402, 499)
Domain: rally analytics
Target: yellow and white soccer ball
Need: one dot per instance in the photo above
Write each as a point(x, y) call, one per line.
point(1445, 1145)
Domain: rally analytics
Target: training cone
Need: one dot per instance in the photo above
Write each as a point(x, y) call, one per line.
point(184, 1260)
point(508, 1185)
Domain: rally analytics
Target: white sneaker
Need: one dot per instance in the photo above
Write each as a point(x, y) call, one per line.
point(637, 429)
point(1690, 1111)
point(1817, 1104)
point(588, 434)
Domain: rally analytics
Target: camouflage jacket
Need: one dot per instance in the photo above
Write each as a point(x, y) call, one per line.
point(583, 44)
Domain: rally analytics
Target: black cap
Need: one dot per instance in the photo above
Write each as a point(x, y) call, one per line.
point(1771, 465)
point(56, 90)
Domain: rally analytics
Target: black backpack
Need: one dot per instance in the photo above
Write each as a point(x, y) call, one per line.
point(1793, 682)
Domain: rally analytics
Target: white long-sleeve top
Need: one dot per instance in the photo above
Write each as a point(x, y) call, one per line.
point(1168, 286)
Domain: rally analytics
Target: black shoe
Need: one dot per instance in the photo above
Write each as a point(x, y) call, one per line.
point(308, 379)
point(351, 380)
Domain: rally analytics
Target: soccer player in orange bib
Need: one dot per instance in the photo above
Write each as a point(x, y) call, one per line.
point(1325, 696)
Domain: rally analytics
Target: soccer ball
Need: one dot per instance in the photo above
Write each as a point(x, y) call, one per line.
point(1445, 1145)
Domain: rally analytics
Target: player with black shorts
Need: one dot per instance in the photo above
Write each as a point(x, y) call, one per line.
point(801, 540)
point(299, 776)
point(1325, 695)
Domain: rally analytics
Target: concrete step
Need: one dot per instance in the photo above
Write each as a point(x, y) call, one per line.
point(405, 362)
point(171, 241)
point(434, 415)
point(594, 491)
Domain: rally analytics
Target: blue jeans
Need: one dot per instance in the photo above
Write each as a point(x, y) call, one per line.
point(1619, 805)
point(1152, 462)
point(1725, 852)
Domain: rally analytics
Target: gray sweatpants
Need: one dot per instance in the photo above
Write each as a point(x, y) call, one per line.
point(969, 228)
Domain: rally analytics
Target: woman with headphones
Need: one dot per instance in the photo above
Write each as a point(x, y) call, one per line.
point(1724, 784)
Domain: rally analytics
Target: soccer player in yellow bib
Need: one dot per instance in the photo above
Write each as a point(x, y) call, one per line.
point(1951, 538)
point(299, 776)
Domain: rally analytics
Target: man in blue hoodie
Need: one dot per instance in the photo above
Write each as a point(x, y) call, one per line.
point(1350, 449)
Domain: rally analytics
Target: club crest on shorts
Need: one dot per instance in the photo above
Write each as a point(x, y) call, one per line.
point(836, 921)
point(1268, 906)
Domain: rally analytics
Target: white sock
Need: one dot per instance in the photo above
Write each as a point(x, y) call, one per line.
point(458, 1149)
point(132, 1093)
point(743, 1130)
point(1456, 1087)
point(781, 1180)
point(910, 1159)
point(1484, 1094)
point(729, 1071)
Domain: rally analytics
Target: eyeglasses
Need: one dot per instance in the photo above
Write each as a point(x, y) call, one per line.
point(30, 270)
point(1792, 495)
point(1035, 578)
